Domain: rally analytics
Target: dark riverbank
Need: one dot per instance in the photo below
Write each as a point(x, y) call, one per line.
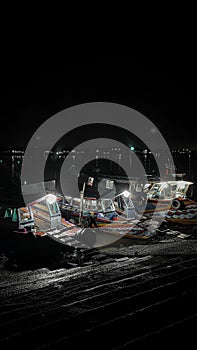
point(26, 251)
point(133, 301)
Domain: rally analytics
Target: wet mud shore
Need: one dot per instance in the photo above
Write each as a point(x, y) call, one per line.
point(123, 295)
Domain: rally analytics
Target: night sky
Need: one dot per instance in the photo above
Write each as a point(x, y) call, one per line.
point(162, 87)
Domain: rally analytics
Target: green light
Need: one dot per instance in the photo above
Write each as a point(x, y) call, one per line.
point(1, 161)
point(132, 148)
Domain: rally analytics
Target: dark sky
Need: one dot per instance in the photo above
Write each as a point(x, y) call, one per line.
point(162, 87)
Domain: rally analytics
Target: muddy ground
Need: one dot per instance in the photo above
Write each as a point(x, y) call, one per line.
point(120, 296)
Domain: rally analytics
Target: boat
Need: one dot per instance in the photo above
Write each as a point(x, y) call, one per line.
point(88, 210)
point(16, 218)
point(66, 218)
point(37, 217)
point(112, 216)
point(172, 200)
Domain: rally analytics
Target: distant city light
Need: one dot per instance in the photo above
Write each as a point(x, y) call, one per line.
point(132, 148)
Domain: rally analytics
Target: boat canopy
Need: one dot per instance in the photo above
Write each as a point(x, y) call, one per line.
point(169, 189)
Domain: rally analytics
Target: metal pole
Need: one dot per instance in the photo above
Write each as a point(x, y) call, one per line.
point(189, 164)
point(81, 203)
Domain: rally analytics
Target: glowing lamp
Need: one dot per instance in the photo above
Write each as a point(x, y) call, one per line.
point(51, 198)
point(126, 194)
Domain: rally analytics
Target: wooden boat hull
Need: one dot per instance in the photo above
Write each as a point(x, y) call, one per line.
point(181, 211)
